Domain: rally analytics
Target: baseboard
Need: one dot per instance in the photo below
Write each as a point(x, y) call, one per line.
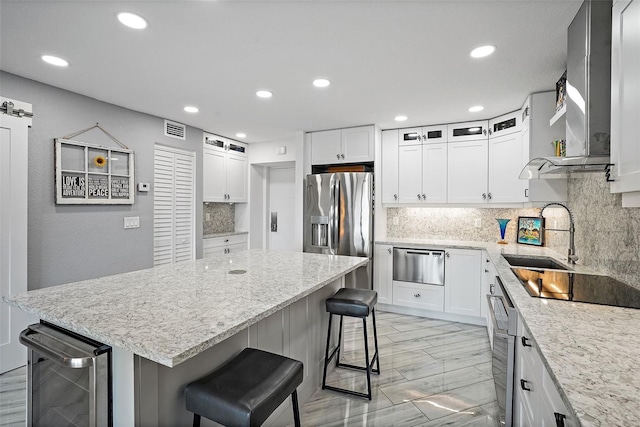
point(440, 315)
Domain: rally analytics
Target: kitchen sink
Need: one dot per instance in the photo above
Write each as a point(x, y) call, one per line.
point(534, 262)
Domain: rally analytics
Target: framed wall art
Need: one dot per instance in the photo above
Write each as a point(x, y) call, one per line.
point(531, 230)
point(90, 174)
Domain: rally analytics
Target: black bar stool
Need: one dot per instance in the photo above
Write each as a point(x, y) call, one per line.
point(246, 390)
point(352, 303)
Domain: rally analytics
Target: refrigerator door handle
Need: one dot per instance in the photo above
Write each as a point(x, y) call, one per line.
point(334, 216)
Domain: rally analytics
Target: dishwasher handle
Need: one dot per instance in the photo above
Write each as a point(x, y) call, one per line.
point(81, 361)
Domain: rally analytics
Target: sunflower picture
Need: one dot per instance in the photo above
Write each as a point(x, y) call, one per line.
point(100, 161)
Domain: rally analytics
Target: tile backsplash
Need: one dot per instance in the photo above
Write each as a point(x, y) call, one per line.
point(607, 236)
point(221, 218)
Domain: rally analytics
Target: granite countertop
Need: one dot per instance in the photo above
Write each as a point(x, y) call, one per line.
point(590, 350)
point(225, 234)
point(171, 313)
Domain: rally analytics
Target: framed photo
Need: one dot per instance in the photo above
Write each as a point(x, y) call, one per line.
point(531, 230)
point(90, 174)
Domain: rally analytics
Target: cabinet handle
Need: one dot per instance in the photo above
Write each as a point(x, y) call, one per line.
point(395, 197)
point(484, 131)
point(559, 419)
point(484, 196)
point(525, 341)
point(447, 254)
point(490, 132)
point(526, 192)
point(489, 196)
point(486, 271)
point(342, 156)
point(226, 240)
point(491, 288)
point(389, 250)
point(523, 385)
point(416, 295)
point(424, 197)
point(418, 197)
point(338, 156)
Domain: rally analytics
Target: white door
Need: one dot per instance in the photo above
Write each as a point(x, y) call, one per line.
point(468, 167)
point(281, 202)
point(410, 174)
point(13, 234)
point(326, 147)
point(383, 273)
point(357, 145)
point(434, 172)
point(505, 164)
point(173, 206)
point(214, 175)
point(389, 166)
point(463, 282)
point(237, 172)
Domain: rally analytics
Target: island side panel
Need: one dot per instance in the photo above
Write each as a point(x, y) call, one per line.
point(297, 331)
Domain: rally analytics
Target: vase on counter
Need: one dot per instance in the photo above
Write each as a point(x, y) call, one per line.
point(503, 228)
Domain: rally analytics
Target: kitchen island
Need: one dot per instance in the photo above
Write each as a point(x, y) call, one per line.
point(172, 324)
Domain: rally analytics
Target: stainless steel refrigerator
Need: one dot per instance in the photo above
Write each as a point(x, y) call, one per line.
point(338, 219)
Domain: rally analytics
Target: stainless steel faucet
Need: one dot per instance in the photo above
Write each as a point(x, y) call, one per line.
point(572, 257)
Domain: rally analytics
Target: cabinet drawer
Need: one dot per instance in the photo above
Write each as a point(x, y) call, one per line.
point(428, 297)
point(215, 242)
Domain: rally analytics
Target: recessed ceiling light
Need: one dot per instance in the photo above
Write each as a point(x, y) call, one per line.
point(264, 94)
point(132, 20)
point(482, 51)
point(400, 118)
point(321, 82)
point(476, 109)
point(54, 60)
point(241, 135)
point(190, 109)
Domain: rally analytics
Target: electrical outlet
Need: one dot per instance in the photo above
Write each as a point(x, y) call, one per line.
point(478, 222)
point(207, 217)
point(131, 222)
point(396, 220)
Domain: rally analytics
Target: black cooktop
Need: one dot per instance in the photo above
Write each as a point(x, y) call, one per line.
point(569, 286)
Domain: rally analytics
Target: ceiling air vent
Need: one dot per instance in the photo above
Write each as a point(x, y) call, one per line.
point(175, 130)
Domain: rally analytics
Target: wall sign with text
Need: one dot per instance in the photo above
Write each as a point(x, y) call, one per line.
point(89, 174)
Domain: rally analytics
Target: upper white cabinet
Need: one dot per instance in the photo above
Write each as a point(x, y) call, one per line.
point(463, 282)
point(468, 167)
point(351, 145)
point(536, 136)
point(225, 170)
point(506, 160)
point(422, 173)
point(389, 161)
point(625, 100)
point(469, 131)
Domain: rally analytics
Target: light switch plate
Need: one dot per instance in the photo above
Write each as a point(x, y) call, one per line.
point(131, 222)
point(396, 220)
point(207, 216)
point(478, 222)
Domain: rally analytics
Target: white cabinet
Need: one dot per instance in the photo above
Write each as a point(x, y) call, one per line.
point(410, 173)
point(469, 131)
point(225, 170)
point(467, 171)
point(537, 400)
point(537, 135)
point(224, 245)
point(463, 282)
point(425, 135)
point(389, 166)
point(625, 100)
point(351, 145)
point(418, 295)
point(383, 273)
point(505, 160)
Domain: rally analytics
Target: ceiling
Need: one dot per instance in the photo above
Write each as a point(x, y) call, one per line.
point(384, 58)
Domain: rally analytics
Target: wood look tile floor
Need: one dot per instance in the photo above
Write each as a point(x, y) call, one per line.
point(434, 373)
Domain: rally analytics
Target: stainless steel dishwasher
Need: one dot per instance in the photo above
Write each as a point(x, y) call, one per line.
point(68, 378)
point(419, 265)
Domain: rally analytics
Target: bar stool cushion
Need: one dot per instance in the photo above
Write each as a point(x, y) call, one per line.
point(352, 302)
point(246, 390)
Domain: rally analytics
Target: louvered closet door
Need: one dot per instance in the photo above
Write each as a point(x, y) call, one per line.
point(174, 201)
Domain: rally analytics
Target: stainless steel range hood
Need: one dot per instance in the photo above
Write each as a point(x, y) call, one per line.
point(588, 98)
